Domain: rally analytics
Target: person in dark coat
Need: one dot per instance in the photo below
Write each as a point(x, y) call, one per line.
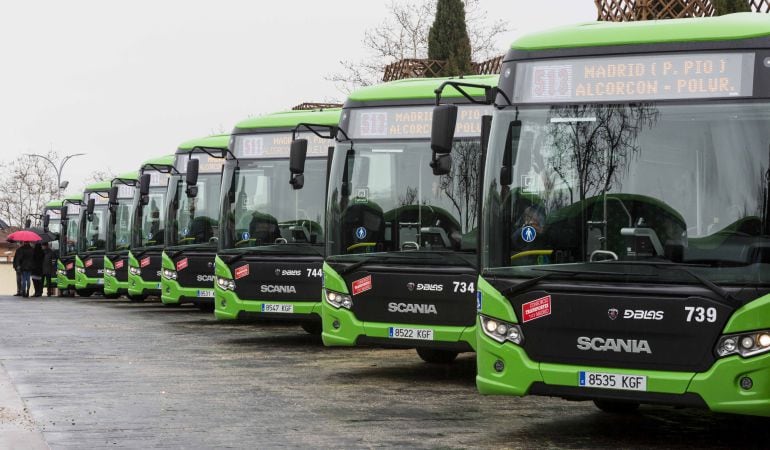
point(37, 270)
point(48, 268)
point(17, 268)
point(26, 263)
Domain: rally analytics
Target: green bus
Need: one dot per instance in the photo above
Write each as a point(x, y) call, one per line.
point(401, 261)
point(271, 238)
point(92, 242)
point(147, 235)
point(626, 215)
point(68, 244)
point(192, 223)
point(119, 214)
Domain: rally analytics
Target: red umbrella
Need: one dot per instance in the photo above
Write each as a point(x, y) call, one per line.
point(24, 236)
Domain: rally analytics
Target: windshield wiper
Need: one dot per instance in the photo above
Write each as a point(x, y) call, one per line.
point(406, 256)
point(524, 285)
point(684, 267)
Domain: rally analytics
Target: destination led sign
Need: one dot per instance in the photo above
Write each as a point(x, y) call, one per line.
point(628, 78)
point(125, 191)
point(411, 122)
point(206, 162)
point(278, 145)
point(158, 179)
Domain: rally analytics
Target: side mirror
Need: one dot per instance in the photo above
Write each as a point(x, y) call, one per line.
point(441, 164)
point(64, 210)
point(191, 178)
point(510, 151)
point(28, 223)
point(144, 184)
point(442, 130)
point(112, 197)
point(46, 221)
point(297, 157)
point(90, 208)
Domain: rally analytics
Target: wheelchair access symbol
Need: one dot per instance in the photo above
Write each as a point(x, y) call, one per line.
point(361, 232)
point(245, 236)
point(528, 233)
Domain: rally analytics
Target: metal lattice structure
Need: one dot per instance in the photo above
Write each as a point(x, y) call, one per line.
point(309, 106)
point(630, 10)
point(429, 68)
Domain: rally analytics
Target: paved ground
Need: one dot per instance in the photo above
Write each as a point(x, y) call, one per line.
point(96, 373)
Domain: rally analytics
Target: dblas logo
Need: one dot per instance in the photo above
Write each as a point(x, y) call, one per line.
point(424, 287)
point(414, 308)
point(600, 344)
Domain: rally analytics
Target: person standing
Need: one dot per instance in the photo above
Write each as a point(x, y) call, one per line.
point(17, 269)
point(37, 270)
point(26, 264)
point(48, 269)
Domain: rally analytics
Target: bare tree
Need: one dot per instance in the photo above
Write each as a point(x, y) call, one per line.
point(100, 175)
point(404, 34)
point(26, 185)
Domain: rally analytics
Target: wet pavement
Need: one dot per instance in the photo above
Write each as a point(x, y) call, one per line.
point(96, 373)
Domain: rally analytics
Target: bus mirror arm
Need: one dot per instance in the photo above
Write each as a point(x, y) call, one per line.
point(46, 221)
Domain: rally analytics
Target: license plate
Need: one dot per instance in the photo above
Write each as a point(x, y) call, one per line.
point(612, 381)
point(206, 293)
point(277, 308)
point(421, 334)
point(100, 281)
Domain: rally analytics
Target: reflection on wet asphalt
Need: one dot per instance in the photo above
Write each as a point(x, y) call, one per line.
point(108, 373)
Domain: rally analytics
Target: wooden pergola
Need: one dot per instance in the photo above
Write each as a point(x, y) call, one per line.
point(630, 10)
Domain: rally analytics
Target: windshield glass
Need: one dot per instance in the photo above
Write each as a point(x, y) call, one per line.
point(70, 238)
point(54, 220)
point(195, 220)
point(150, 219)
point(262, 208)
point(620, 183)
point(120, 236)
point(94, 231)
point(384, 197)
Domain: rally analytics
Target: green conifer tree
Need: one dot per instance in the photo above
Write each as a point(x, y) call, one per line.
point(448, 38)
point(723, 7)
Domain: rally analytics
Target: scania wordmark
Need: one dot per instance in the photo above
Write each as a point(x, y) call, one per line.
point(271, 245)
point(192, 223)
point(120, 213)
point(89, 261)
point(626, 215)
point(68, 244)
point(401, 264)
point(148, 228)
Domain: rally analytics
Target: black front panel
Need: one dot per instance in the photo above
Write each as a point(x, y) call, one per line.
point(421, 295)
point(655, 328)
point(292, 278)
point(196, 271)
point(150, 265)
point(94, 265)
point(69, 266)
point(120, 263)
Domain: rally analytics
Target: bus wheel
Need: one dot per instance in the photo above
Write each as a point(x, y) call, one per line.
point(136, 298)
point(435, 356)
point(84, 292)
point(313, 327)
point(616, 407)
point(206, 307)
point(111, 296)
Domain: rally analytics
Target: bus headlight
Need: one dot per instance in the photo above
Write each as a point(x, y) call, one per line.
point(61, 272)
point(109, 273)
point(744, 344)
point(226, 284)
point(169, 274)
point(338, 300)
point(501, 331)
point(80, 270)
point(134, 270)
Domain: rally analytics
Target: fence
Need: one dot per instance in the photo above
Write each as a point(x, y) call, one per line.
point(630, 10)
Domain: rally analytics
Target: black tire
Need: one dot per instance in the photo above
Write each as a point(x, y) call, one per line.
point(313, 327)
point(436, 356)
point(206, 307)
point(136, 298)
point(84, 292)
point(616, 407)
point(111, 296)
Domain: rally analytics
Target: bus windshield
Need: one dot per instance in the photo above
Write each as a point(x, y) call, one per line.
point(149, 219)
point(384, 197)
point(94, 231)
point(261, 207)
point(120, 236)
point(72, 232)
point(642, 184)
point(195, 220)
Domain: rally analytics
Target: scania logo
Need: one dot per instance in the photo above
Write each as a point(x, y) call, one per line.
point(277, 289)
point(599, 344)
point(613, 313)
point(410, 286)
point(205, 278)
point(414, 308)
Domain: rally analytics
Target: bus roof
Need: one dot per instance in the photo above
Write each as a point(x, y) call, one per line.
point(418, 88)
point(290, 119)
point(594, 34)
point(99, 186)
point(215, 141)
point(166, 160)
point(73, 198)
point(128, 176)
point(54, 203)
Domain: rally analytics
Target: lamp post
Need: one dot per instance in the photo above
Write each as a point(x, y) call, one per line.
point(60, 167)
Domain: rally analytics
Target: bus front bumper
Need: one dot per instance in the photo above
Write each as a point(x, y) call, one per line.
point(228, 306)
point(172, 293)
point(114, 287)
point(84, 282)
point(138, 287)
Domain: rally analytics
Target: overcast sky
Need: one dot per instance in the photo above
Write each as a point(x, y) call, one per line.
point(127, 81)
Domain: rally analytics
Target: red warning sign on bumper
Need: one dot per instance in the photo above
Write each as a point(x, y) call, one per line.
point(181, 264)
point(361, 285)
point(536, 309)
point(241, 272)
